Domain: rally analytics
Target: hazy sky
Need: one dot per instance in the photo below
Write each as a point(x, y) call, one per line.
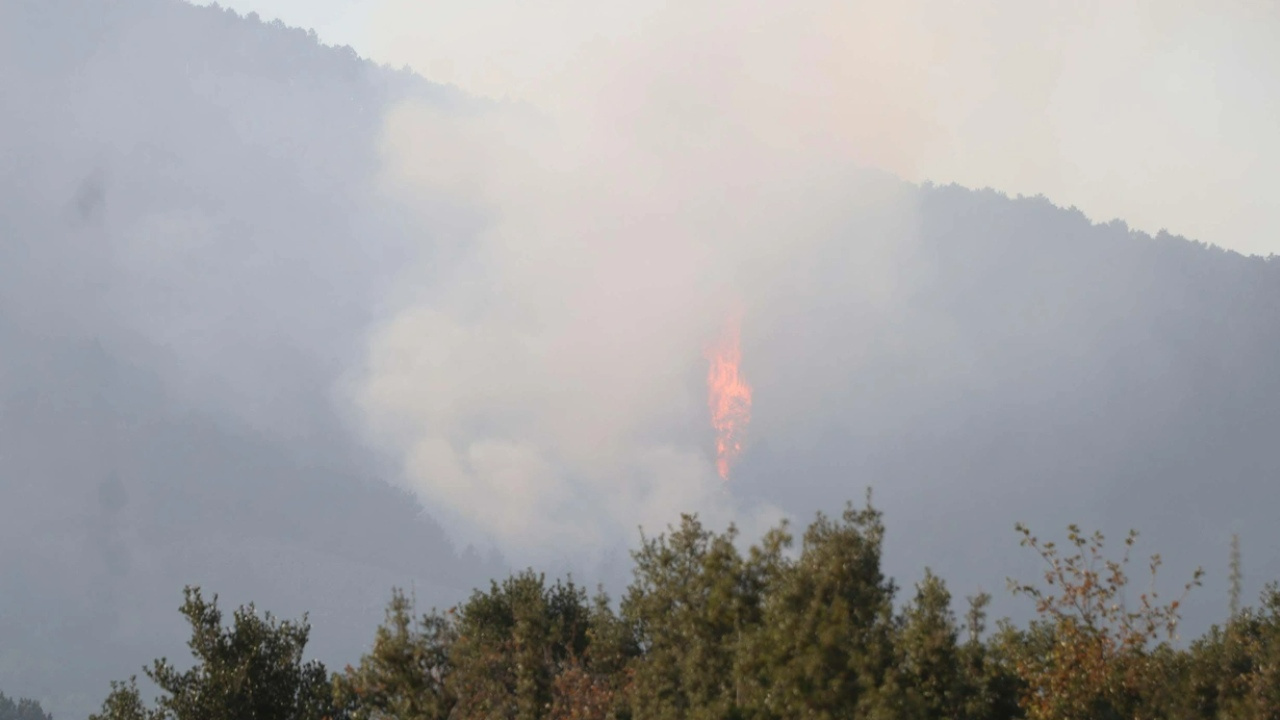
point(1160, 113)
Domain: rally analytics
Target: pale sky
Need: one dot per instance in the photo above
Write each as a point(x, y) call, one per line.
point(1162, 113)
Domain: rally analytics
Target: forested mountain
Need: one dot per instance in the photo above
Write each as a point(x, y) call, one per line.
point(193, 251)
point(183, 271)
point(1048, 368)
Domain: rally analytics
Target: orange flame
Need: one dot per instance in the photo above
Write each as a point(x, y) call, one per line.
point(729, 397)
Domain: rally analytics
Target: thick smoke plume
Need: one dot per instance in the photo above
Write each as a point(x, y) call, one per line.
point(1151, 111)
point(666, 163)
point(546, 390)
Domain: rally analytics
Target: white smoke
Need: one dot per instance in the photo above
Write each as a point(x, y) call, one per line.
point(542, 377)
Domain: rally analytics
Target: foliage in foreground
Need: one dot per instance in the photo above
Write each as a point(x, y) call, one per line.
point(708, 632)
point(252, 669)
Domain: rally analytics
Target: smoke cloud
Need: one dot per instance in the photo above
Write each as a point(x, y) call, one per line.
point(666, 166)
point(1154, 112)
point(546, 390)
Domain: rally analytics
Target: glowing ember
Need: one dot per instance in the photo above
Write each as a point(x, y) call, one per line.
point(729, 398)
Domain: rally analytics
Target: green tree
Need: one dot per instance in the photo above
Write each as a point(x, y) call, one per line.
point(126, 703)
point(406, 675)
point(512, 642)
point(927, 663)
point(705, 632)
point(253, 669)
point(1088, 656)
point(1235, 671)
point(767, 567)
point(690, 608)
point(597, 686)
point(826, 639)
point(1261, 636)
point(1236, 577)
point(991, 685)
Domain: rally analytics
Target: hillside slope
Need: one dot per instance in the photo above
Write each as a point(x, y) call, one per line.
point(184, 273)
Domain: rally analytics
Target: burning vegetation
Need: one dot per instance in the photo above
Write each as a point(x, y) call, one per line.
point(728, 396)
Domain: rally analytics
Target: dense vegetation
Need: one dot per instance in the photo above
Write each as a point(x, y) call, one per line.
point(707, 631)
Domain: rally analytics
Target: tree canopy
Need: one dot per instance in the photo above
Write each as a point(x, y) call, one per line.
point(711, 629)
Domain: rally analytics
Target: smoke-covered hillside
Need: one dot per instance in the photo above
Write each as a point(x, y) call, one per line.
point(204, 260)
point(1043, 368)
point(189, 255)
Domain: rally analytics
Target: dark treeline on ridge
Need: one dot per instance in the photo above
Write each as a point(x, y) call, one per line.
point(21, 709)
point(791, 628)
